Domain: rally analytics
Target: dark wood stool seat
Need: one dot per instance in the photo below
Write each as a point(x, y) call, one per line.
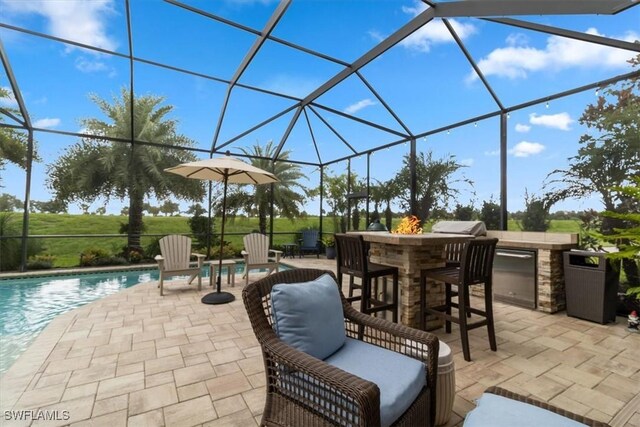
point(476, 264)
point(352, 260)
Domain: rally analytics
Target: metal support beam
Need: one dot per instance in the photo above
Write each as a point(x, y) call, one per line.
point(12, 116)
point(292, 123)
point(503, 172)
point(313, 138)
point(331, 128)
point(14, 86)
point(575, 35)
point(372, 54)
point(27, 203)
point(348, 192)
point(384, 104)
point(368, 188)
point(359, 120)
point(256, 127)
point(244, 64)
point(321, 198)
point(538, 7)
point(413, 159)
point(256, 32)
point(473, 63)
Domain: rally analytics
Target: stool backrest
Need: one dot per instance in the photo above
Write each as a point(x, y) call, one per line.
point(453, 252)
point(351, 254)
point(476, 262)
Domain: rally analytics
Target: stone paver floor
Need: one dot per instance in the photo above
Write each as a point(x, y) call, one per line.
point(138, 359)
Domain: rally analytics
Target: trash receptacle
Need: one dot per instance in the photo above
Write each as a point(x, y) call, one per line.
point(591, 286)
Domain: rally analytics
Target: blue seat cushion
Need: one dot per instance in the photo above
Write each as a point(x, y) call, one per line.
point(399, 378)
point(499, 411)
point(308, 316)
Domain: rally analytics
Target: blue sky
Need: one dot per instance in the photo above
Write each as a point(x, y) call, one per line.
point(425, 79)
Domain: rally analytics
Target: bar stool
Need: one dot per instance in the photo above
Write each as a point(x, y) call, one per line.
point(352, 260)
point(476, 263)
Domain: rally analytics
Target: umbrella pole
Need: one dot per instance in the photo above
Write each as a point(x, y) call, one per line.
point(224, 219)
point(220, 297)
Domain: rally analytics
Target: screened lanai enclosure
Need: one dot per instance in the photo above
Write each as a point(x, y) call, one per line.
point(335, 87)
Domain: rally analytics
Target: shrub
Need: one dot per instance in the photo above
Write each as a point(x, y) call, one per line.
point(463, 213)
point(229, 251)
point(536, 214)
point(490, 214)
point(153, 248)
point(110, 260)
point(89, 257)
point(40, 262)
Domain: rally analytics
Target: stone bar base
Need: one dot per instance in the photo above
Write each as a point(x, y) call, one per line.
point(410, 260)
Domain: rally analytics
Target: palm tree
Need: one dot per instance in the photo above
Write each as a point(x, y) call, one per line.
point(13, 143)
point(94, 168)
point(286, 199)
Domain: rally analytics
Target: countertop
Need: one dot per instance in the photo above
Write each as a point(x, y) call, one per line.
point(426, 239)
point(532, 244)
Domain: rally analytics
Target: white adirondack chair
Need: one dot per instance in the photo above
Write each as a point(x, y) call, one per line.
point(256, 254)
point(175, 260)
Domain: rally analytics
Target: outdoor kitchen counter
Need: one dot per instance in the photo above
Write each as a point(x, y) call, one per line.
point(550, 292)
point(411, 254)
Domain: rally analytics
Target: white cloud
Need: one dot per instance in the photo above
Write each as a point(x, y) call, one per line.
point(526, 149)
point(364, 103)
point(434, 32)
point(556, 121)
point(518, 59)
point(377, 36)
point(77, 20)
point(517, 39)
point(90, 65)
point(467, 162)
point(492, 153)
point(522, 128)
point(47, 123)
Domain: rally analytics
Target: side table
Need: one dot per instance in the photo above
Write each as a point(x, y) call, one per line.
point(289, 250)
point(231, 271)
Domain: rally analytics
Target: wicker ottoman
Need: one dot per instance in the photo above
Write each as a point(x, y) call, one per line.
point(446, 385)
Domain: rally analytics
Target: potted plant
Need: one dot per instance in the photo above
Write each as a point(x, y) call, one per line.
point(330, 247)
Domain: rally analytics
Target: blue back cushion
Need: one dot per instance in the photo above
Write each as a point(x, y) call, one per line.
point(499, 411)
point(308, 316)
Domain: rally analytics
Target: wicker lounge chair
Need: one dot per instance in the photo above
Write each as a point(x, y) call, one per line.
point(495, 416)
point(306, 391)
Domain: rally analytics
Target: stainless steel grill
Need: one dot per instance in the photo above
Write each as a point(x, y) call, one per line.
point(475, 228)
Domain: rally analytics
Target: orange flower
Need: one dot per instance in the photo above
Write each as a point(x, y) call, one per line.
point(409, 225)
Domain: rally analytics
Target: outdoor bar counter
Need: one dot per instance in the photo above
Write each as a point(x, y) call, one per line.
point(411, 253)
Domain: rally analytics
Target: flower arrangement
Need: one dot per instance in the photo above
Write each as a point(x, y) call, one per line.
point(409, 225)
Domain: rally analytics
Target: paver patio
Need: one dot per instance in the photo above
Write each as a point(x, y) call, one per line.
point(139, 359)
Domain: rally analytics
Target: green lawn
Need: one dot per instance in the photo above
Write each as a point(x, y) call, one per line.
point(67, 250)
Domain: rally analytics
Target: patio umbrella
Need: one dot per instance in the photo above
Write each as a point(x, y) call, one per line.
point(226, 170)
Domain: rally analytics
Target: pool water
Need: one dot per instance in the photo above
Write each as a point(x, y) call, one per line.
point(27, 305)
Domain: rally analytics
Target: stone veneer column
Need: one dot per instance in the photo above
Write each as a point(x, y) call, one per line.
point(551, 293)
point(410, 260)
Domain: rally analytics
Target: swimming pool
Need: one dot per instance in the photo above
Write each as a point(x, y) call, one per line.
point(27, 305)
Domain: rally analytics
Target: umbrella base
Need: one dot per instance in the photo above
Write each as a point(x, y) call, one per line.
point(218, 298)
